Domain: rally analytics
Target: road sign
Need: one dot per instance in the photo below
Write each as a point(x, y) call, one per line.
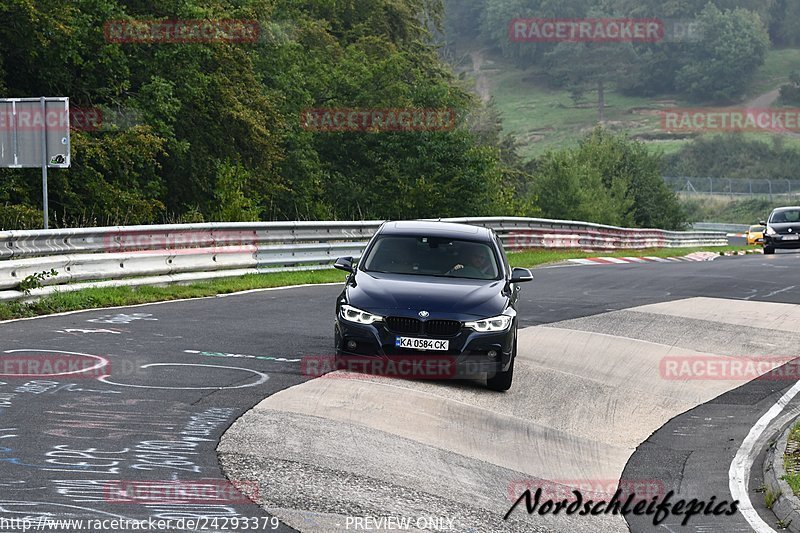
point(34, 132)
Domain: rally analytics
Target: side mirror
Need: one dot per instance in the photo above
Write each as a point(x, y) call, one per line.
point(344, 263)
point(761, 222)
point(521, 275)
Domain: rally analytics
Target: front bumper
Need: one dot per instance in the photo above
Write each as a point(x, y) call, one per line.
point(778, 241)
point(467, 354)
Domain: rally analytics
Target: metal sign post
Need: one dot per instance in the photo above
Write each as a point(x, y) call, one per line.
point(45, 209)
point(34, 132)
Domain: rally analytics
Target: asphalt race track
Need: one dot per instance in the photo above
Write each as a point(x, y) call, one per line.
point(591, 404)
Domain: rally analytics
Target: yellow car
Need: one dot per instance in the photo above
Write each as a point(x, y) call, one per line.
point(755, 235)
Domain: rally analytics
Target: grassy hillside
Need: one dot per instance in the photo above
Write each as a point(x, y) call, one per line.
point(544, 118)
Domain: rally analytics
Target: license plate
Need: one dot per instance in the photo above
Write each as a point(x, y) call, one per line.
point(422, 344)
point(791, 237)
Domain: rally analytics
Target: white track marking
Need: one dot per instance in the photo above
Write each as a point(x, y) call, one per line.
point(103, 362)
point(773, 293)
point(262, 379)
point(739, 473)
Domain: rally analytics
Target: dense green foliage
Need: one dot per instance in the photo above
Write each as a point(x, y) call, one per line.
point(607, 179)
point(732, 45)
point(216, 131)
point(734, 156)
point(790, 92)
point(212, 131)
point(712, 60)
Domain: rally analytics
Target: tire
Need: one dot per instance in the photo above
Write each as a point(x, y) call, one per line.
point(769, 250)
point(501, 381)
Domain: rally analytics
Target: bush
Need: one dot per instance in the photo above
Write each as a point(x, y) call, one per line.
point(734, 156)
point(20, 217)
point(608, 179)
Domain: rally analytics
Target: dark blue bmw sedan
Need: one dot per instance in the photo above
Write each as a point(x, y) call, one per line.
point(428, 292)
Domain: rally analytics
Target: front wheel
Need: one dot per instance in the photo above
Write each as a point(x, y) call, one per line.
point(768, 250)
point(501, 381)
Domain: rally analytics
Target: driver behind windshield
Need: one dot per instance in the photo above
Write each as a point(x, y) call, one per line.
point(474, 262)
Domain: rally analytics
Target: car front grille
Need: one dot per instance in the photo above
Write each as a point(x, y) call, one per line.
point(399, 324)
point(442, 327)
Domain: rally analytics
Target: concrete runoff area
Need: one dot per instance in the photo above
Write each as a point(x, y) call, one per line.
point(332, 449)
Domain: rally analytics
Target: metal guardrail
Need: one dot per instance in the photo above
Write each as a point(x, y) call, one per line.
point(727, 228)
point(184, 252)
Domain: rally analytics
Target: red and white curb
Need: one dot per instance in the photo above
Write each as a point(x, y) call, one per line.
point(744, 252)
point(697, 256)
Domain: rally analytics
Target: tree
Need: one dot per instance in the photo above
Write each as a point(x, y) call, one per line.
point(580, 66)
point(499, 14)
point(733, 44)
point(784, 25)
point(218, 134)
point(734, 156)
point(607, 179)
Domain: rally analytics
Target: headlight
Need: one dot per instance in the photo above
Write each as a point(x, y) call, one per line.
point(498, 323)
point(351, 314)
point(771, 231)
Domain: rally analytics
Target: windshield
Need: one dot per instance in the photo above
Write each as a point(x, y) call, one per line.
point(432, 256)
point(784, 217)
point(756, 229)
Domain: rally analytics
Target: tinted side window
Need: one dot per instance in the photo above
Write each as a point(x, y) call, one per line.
point(506, 264)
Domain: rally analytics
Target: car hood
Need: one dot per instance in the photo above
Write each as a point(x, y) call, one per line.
point(785, 227)
point(456, 299)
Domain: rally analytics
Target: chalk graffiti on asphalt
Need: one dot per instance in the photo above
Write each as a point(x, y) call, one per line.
point(121, 318)
point(47, 363)
point(243, 356)
point(262, 378)
point(52, 387)
point(73, 331)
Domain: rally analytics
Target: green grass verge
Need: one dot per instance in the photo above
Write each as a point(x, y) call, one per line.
point(791, 462)
point(539, 257)
point(120, 296)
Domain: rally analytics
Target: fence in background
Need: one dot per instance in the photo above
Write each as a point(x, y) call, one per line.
point(145, 255)
point(734, 187)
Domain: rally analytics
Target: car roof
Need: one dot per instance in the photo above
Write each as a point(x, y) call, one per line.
point(791, 208)
point(437, 229)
